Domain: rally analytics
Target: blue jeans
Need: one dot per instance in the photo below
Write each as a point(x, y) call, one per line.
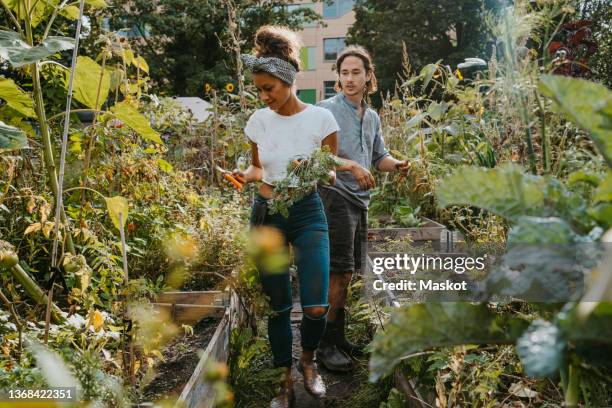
point(306, 230)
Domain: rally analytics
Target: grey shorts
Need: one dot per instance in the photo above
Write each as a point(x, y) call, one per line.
point(348, 232)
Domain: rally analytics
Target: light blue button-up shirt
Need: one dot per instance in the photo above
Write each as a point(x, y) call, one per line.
point(360, 140)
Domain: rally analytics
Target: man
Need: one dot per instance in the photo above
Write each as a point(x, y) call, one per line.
point(361, 145)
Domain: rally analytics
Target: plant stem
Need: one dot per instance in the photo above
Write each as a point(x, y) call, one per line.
point(545, 137)
point(35, 291)
point(572, 391)
point(46, 136)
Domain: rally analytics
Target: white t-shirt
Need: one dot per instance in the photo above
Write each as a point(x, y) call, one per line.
point(280, 139)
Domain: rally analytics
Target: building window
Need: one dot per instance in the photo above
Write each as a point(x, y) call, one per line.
point(307, 95)
point(331, 48)
point(307, 58)
point(336, 8)
point(328, 88)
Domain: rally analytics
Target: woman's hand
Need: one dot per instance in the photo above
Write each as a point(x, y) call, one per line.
point(239, 176)
point(332, 177)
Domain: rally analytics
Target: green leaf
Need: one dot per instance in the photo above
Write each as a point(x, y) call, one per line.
point(70, 12)
point(141, 64)
point(437, 110)
point(16, 98)
point(426, 74)
point(536, 230)
point(510, 193)
point(506, 190)
point(117, 205)
point(164, 165)
point(86, 81)
point(541, 348)
point(12, 138)
point(18, 53)
point(586, 104)
point(128, 56)
point(419, 327)
point(135, 120)
point(415, 120)
point(37, 14)
point(96, 3)
point(542, 263)
point(604, 190)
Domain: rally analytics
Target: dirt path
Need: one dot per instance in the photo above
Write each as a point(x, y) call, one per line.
point(339, 386)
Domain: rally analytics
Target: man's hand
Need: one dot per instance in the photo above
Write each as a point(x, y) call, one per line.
point(363, 176)
point(403, 167)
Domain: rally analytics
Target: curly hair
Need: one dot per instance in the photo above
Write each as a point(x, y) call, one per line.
point(363, 54)
point(279, 42)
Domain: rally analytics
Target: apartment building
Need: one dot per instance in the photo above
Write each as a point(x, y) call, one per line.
point(321, 45)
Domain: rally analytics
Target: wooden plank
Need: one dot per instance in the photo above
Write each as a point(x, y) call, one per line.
point(198, 393)
point(430, 231)
point(212, 298)
point(188, 314)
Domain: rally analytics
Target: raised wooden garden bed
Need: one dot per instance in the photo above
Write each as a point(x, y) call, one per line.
point(440, 238)
point(191, 307)
point(198, 393)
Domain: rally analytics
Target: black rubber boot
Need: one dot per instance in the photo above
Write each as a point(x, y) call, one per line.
point(329, 355)
point(342, 342)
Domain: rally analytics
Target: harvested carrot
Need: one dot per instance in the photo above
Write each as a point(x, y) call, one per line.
point(232, 180)
point(240, 178)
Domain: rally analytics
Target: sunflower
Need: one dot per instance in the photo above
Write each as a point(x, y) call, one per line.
point(229, 87)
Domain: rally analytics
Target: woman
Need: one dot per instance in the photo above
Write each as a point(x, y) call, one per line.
point(285, 130)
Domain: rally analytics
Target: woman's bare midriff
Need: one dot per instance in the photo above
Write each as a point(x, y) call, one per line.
point(266, 191)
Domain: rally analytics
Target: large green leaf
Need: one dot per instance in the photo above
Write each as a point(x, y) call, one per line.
point(545, 261)
point(16, 98)
point(12, 138)
point(86, 81)
point(506, 190)
point(418, 327)
point(41, 9)
point(117, 205)
point(511, 193)
point(18, 53)
point(96, 3)
point(586, 104)
point(135, 120)
point(541, 348)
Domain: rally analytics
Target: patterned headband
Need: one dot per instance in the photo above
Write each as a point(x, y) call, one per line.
point(277, 67)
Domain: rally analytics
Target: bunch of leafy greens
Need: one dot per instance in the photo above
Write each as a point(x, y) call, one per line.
point(301, 180)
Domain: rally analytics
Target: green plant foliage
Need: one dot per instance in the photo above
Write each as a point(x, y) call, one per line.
point(586, 104)
point(135, 120)
point(18, 53)
point(90, 85)
point(303, 173)
point(16, 98)
point(418, 327)
point(11, 138)
point(540, 348)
